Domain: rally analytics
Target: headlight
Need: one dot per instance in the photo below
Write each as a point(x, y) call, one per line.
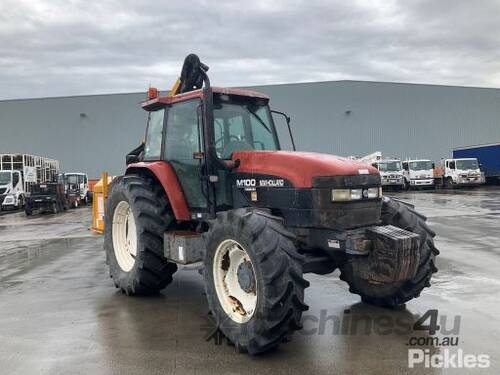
point(356, 194)
point(339, 195)
point(374, 192)
point(344, 195)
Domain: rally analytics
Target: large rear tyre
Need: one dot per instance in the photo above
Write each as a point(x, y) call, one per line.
point(253, 279)
point(137, 215)
point(392, 295)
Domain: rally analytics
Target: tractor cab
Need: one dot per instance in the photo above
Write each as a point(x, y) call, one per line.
point(176, 133)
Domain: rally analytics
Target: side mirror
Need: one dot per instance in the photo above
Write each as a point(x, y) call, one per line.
point(433, 165)
point(135, 155)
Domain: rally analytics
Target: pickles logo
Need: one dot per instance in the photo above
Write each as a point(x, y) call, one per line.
point(446, 359)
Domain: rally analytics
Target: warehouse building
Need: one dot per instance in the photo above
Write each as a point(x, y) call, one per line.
point(93, 133)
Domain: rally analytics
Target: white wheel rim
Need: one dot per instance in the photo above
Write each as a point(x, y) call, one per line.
point(124, 236)
point(238, 303)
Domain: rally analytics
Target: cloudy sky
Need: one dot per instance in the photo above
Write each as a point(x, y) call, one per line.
point(71, 47)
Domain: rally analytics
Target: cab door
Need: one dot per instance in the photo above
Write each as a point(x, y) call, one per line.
point(183, 149)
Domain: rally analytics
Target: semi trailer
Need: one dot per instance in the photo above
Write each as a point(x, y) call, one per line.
point(488, 156)
point(18, 172)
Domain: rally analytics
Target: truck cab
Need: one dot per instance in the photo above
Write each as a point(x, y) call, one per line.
point(418, 173)
point(462, 172)
point(76, 182)
point(391, 173)
point(12, 193)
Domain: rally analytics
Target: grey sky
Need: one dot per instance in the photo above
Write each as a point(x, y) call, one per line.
point(64, 47)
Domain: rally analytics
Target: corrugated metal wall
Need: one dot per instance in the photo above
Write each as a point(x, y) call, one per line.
point(93, 133)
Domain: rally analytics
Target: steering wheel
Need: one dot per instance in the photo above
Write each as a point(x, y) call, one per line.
point(221, 139)
point(231, 138)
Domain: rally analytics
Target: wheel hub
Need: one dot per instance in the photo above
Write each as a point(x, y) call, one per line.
point(246, 278)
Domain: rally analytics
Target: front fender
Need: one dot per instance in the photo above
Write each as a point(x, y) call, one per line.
point(166, 176)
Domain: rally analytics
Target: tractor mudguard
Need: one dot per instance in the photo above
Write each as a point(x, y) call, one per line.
point(165, 174)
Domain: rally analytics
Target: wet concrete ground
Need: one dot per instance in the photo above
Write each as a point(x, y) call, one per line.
point(60, 314)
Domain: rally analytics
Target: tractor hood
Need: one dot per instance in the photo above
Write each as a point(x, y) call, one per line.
point(299, 167)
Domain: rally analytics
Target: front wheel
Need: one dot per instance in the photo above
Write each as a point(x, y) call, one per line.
point(253, 279)
point(20, 202)
point(394, 294)
point(137, 215)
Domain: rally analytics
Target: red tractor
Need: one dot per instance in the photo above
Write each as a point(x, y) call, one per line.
point(210, 183)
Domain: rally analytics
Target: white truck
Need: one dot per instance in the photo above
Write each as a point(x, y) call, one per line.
point(76, 181)
point(461, 172)
point(391, 170)
point(18, 172)
point(418, 173)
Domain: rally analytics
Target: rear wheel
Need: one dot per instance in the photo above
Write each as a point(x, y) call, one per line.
point(253, 279)
point(392, 295)
point(137, 215)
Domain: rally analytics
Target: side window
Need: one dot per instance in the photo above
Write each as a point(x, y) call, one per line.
point(452, 165)
point(183, 138)
point(15, 179)
point(152, 149)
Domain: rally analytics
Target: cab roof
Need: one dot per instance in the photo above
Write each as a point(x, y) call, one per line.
point(162, 100)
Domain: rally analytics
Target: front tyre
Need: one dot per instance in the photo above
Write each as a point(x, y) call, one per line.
point(137, 215)
point(253, 279)
point(395, 294)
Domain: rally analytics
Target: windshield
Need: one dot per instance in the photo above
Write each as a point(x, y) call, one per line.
point(5, 178)
point(72, 179)
point(420, 165)
point(240, 127)
point(467, 164)
point(43, 189)
point(389, 166)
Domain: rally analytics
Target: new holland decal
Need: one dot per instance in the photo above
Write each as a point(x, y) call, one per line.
point(249, 183)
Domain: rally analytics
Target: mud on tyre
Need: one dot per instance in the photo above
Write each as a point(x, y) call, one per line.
point(137, 215)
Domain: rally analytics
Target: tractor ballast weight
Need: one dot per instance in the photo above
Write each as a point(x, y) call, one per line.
point(211, 183)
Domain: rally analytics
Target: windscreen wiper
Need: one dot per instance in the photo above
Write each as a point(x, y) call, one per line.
point(258, 118)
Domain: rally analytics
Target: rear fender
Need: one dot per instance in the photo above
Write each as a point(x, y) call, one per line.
point(166, 176)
